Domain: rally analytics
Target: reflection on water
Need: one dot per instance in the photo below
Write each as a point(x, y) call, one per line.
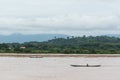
point(59, 69)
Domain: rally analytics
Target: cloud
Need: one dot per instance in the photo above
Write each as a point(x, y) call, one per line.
point(74, 17)
point(69, 24)
point(47, 8)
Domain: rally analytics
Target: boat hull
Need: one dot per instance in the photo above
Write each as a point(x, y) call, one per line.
point(85, 65)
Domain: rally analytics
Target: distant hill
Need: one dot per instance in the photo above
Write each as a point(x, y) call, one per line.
point(20, 38)
point(81, 45)
point(113, 35)
point(68, 45)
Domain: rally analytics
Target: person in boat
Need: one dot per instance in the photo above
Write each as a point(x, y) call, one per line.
point(87, 65)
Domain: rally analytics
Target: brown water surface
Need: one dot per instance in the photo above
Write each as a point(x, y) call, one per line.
point(59, 68)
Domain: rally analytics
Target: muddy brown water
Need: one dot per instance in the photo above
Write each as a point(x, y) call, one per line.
point(57, 68)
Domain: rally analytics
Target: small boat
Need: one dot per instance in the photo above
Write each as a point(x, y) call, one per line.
point(36, 57)
point(86, 65)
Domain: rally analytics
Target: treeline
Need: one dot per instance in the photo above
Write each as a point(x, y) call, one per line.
point(69, 45)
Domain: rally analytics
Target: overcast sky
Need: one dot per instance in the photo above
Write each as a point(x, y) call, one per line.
point(72, 17)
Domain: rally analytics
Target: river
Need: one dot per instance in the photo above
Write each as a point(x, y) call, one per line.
point(57, 68)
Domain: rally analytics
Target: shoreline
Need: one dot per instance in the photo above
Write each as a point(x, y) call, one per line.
point(55, 55)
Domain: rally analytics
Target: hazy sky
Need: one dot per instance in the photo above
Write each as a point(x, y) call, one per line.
point(72, 17)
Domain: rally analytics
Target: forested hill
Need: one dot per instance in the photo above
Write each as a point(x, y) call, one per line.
point(84, 40)
point(68, 45)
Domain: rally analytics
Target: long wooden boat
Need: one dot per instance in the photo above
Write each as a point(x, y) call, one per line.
point(85, 65)
point(35, 57)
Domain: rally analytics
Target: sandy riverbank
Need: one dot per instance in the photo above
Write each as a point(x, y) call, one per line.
point(56, 55)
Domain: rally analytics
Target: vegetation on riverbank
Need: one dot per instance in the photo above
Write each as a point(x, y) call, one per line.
point(69, 45)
